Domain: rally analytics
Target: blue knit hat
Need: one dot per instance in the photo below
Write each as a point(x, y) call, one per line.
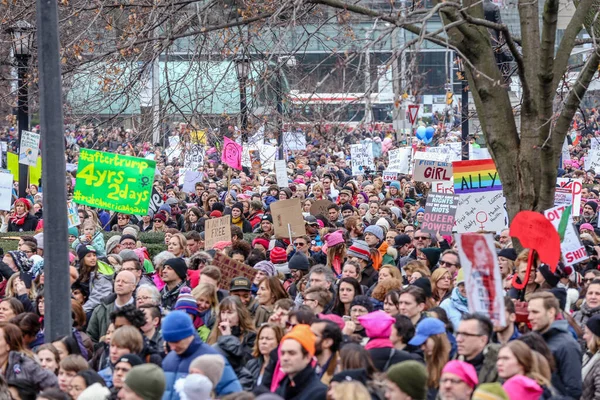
point(375, 230)
point(186, 302)
point(177, 326)
point(420, 210)
point(395, 184)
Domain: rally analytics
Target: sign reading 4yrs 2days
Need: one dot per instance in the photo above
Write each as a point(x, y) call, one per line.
point(114, 182)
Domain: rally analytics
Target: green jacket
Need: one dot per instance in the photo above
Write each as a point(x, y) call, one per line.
point(100, 320)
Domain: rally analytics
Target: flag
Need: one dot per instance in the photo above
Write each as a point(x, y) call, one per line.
point(232, 154)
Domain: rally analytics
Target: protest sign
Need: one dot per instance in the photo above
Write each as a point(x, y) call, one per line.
point(114, 182)
point(399, 160)
point(73, 214)
point(194, 156)
point(287, 218)
point(29, 148)
point(267, 156)
point(483, 281)
point(388, 176)
point(319, 207)
point(6, 187)
point(281, 173)
point(362, 158)
point(217, 230)
point(481, 211)
point(293, 141)
point(431, 171)
point(592, 161)
point(35, 173)
point(198, 137)
point(475, 176)
point(442, 187)
point(231, 269)
point(173, 151)
point(565, 150)
point(231, 154)
point(571, 248)
point(156, 200)
point(453, 151)
point(189, 180)
point(478, 153)
point(568, 192)
point(440, 211)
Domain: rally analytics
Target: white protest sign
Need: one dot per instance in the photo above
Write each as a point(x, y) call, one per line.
point(190, 179)
point(388, 176)
point(194, 156)
point(594, 143)
point(431, 171)
point(72, 213)
point(571, 248)
point(452, 150)
point(258, 138)
point(568, 191)
point(399, 160)
point(483, 281)
point(267, 157)
point(481, 211)
point(173, 151)
point(281, 173)
point(443, 186)
point(6, 186)
point(565, 150)
point(592, 160)
point(362, 158)
point(478, 153)
point(294, 141)
point(29, 148)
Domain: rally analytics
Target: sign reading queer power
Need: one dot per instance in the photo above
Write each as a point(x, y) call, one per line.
point(114, 182)
point(439, 213)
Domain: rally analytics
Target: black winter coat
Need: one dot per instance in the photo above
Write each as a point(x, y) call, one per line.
point(304, 386)
point(567, 354)
point(29, 225)
point(386, 357)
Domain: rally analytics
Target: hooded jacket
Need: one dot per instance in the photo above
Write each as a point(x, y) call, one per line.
point(22, 367)
point(455, 307)
point(567, 354)
point(100, 286)
point(304, 386)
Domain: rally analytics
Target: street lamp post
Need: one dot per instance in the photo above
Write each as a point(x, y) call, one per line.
point(22, 42)
point(242, 66)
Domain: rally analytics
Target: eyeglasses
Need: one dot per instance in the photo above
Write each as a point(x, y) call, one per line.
point(157, 220)
point(307, 299)
point(421, 237)
point(299, 244)
point(467, 334)
point(588, 279)
point(442, 263)
point(289, 325)
point(144, 298)
point(121, 217)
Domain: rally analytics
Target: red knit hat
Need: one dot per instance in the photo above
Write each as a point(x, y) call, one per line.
point(216, 214)
point(262, 241)
point(278, 255)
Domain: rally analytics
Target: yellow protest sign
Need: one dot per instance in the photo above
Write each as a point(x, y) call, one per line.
point(35, 173)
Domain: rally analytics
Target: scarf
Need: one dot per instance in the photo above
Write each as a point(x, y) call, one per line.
point(19, 219)
point(589, 364)
point(237, 221)
point(336, 263)
point(379, 343)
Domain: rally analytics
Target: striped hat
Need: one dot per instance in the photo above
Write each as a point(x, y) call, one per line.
point(278, 255)
point(186, 302)
point(360, 249)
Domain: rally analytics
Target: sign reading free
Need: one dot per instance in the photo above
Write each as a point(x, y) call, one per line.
point(114, 182)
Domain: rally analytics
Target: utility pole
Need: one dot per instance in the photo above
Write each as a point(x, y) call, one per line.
point(398, 118)
point(278, 90)
point(56, 259)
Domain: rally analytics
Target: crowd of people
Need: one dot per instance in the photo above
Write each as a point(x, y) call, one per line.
point(363, 305)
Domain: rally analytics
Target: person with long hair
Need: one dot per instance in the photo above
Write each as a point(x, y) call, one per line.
point(207, 302)
point(234, 333)
point(210, 200)
point(268, 338)
point(21, 220)
point(336, 251)
point(269, 291)
point(178, 245)
point(347, 290)
point(193, 220)
point(94, 275)
point(18, 363)
point(355, 356)
point(48, 357)
point(441, 285)
point(10, 308)
point(590, 371)
point(238, 219)
point(431, 337)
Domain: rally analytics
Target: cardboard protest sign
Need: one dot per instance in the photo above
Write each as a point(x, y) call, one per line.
point(483, 281)
point(281, 173)
point(572, 250)
point(73, 214)
point(114, 182)
point(592, 160)
point(440, 211)
point(484, 211)
point(287, 218)
point(362, 158)
point(320, 207)
point(194, 157)
point(198, 137)
point(231, 269)
point(431, 171)
point(443, 187)
point(389, 176)
point(217, 230)
point(399, 160)
point(29, 148)
point(475, 176)
point(6, 187)
point(568, 192)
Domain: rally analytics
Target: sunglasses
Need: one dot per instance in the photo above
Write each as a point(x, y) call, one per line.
point(299, 244)
point(421, 237)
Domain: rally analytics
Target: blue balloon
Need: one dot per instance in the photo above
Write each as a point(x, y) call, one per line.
point(429, 132)
point(427, 140)
point(421, 132)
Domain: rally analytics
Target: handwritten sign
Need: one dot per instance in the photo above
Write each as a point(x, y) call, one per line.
point(568, 192)
point(481, 211)
point(399, 160)
point(73, 214)
point(443, 187)
point(571, 248)
point(319, 207)
point(190, 179)
point(29, 148)
point(281, 173)
point(293, 141)
point(230, 269)
point(431, 171)
point(362, 158)
point(389, 176)
point(453, 151)
point(483, 281)
point(592, 160)
point(6, 187)
point(478, 153)
point(287, 218)
point(194, 156)
point(440, 211)
point(114, 182)
point(475, 176)
point(217, 230)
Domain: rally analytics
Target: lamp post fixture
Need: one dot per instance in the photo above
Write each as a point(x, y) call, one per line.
point(22, 42)
point(242, 66)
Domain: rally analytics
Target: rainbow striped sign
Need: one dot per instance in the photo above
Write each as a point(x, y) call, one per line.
point(475, 176)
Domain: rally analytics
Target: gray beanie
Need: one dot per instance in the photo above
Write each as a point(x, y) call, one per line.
point(112, 242)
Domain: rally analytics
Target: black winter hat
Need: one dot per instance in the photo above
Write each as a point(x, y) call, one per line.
point(364, 301)
point(551, 278)
point(179, 266)
point(401, 240)
point(239, 206)
point(299, 262)
point(347, 207)
point(424, 284)
point(593, 324)
point(592, 204)
point(509, 253)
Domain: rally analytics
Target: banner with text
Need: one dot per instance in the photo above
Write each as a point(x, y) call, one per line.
point(475, 176)
point(217, 230)
point(399, 160)
point(431, 171)
point(362, 158)
point(281, 173)
point(592, 161)
point(571, 248)
point(114, 182)
point(29, 148)
point(568, 192)
point(440, 211)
